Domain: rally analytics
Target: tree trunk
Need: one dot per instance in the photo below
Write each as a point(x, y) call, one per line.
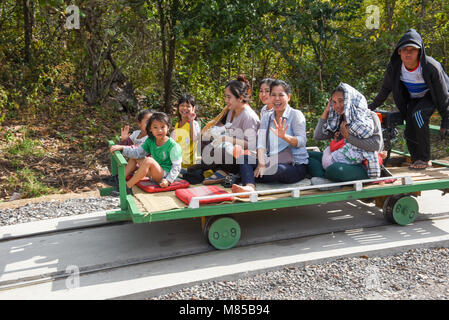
point(265, 65)
point(229, 67)
point(168, 88)
point(390, 4)
point(423, 15)
point(167, 23)
point(28, 14)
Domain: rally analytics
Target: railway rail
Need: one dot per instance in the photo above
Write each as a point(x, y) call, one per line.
point(47, 277)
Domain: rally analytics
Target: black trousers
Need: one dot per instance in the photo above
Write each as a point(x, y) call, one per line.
point(417, 133)
point(223, 163)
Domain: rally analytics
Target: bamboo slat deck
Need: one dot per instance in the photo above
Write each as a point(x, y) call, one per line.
point(165, 201)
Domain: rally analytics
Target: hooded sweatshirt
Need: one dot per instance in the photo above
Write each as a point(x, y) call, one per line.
point(436, 80)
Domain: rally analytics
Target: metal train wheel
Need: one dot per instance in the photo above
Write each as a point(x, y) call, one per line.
point(402, 210)
point(222, 232)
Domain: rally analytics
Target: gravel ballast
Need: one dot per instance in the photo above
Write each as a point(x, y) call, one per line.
point(56, 209)
point(415, 274)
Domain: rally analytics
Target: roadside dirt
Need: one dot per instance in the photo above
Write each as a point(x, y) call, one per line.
point(68, 153)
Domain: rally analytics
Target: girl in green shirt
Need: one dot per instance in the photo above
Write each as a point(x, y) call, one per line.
point(164, 165)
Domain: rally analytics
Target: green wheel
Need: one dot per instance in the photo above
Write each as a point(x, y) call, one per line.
point(401, 210)
point(222, 232)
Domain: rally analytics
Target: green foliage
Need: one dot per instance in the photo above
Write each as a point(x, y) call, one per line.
point(25, 148)
point(312, 44)
point(3, 103)
point(28, 183)
point(22, 149)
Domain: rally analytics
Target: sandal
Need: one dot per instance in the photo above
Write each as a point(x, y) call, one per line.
point(420, 165)
point(230, 180)
point(216, 178)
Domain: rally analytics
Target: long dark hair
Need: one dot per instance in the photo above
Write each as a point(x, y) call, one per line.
point(157, 116)
point(240, 88)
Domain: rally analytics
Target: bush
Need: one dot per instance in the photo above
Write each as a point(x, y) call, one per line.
point(3, 103)
point(28, 183)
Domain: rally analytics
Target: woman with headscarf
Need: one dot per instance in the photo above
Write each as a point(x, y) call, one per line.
point(357, 135)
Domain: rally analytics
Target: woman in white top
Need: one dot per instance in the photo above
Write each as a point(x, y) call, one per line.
point(241, 123)
point(264, 96)
point(281, 145)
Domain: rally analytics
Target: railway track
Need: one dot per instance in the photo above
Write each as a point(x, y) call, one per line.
point(20, 276)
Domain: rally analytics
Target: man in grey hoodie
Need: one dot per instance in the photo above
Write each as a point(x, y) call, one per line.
point(419, 86)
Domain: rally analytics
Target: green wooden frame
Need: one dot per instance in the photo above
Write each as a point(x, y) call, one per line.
point(129, 210)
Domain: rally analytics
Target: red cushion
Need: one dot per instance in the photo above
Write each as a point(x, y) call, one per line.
point(185, 195)
point(335, 145)
point(383, 181)
point(151, 187)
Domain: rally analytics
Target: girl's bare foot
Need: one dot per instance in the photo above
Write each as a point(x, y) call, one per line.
point(239, 189)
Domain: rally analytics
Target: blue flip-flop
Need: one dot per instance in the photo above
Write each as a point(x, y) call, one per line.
point(216, 178)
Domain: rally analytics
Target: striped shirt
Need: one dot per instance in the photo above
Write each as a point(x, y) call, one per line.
point(414, 81)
